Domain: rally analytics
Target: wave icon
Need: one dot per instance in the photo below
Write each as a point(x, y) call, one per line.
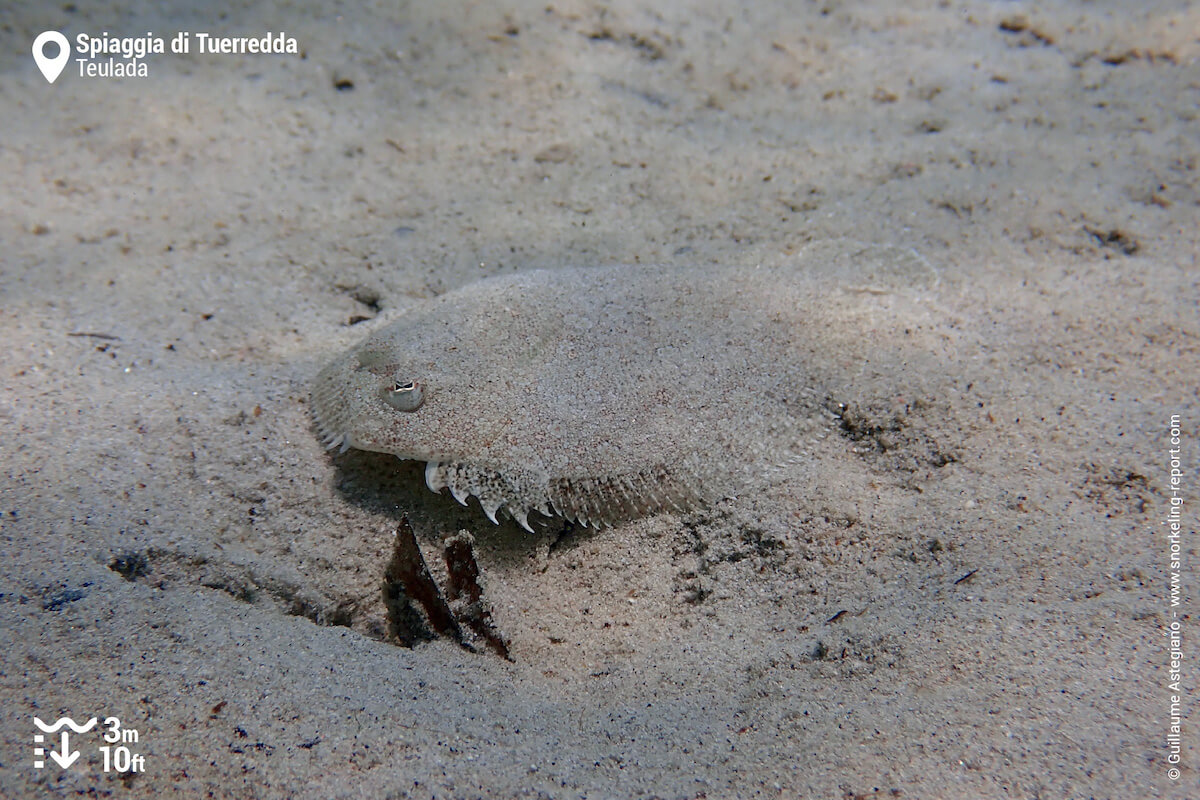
point(65, 722)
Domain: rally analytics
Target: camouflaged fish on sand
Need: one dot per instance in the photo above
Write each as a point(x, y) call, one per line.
point(603, 394)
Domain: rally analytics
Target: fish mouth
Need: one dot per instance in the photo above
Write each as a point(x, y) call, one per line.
point(331, 437)
point(331, 407)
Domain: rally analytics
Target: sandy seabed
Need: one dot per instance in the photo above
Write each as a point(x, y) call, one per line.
point(962, 594)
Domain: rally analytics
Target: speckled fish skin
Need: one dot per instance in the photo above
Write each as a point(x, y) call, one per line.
point(603, 394)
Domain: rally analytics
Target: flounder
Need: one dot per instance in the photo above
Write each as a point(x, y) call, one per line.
point(602, 394)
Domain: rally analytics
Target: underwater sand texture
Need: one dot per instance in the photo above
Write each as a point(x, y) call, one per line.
point(959, 592)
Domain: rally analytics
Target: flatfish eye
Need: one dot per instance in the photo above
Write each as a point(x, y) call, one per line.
point(405, 395)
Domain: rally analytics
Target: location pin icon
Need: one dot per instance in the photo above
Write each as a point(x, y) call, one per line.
point(51, 67)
